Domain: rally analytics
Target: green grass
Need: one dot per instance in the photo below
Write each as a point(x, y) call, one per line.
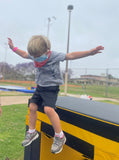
point(110, 102)
point(93, 90)
point(13, 93)
point(12, 131)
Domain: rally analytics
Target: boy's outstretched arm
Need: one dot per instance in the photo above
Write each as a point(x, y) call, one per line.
point(17, 51)
point(81, 54)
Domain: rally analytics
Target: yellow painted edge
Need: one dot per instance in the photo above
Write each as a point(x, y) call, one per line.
point(27, 120)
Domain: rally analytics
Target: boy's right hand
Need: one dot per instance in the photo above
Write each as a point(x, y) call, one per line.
point(10, 43)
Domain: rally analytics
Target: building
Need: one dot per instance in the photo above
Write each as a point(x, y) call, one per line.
point(94, 79)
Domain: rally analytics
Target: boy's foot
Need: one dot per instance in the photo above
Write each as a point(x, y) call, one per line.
point(29, 138)
point(57, 145)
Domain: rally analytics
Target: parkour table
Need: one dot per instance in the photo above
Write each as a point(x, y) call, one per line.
point(91, 128)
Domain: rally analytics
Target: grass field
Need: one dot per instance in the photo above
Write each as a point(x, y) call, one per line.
point(12, 131)
point(110, 102)
point(93, 90)
point(13, 93)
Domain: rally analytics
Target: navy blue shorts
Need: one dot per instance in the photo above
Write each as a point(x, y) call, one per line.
point(45, 96)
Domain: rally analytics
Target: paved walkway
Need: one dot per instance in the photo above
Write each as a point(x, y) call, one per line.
point(9, 100)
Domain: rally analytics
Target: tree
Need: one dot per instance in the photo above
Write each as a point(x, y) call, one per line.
point(69, 73)
point(23, 71)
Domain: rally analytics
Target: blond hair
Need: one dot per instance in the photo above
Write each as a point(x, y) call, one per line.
point(38, 45)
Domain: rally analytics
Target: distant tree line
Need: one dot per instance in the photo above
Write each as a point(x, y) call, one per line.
point(21, 71)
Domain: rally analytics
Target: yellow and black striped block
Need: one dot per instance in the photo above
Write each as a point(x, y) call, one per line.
point(91, 128)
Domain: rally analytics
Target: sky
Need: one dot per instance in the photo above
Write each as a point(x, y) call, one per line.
point(93, 23)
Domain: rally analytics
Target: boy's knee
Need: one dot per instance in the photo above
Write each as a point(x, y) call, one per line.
point(33, 107)
point(48, 110)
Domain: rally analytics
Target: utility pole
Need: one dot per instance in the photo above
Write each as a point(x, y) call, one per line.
point(70, 8)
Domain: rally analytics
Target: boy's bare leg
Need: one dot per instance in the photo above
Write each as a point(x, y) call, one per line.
point(32, 134)
point(59, 138)
point(32, 115)
point(54, 118)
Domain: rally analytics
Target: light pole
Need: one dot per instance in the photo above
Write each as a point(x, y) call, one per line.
point(70, 8)
point(49, 21)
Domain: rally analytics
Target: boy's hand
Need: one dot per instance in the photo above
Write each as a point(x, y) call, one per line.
point(10, 43)
point(96, 50)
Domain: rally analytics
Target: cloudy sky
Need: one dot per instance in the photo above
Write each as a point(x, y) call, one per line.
point(93, 23)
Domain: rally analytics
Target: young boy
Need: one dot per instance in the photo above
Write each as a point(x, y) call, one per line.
point(48, 78)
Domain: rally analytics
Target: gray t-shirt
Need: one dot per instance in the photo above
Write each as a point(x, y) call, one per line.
point(50, 74)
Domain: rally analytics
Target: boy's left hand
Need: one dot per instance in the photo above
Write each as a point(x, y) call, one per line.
point(10, 43)
point(97, 50)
